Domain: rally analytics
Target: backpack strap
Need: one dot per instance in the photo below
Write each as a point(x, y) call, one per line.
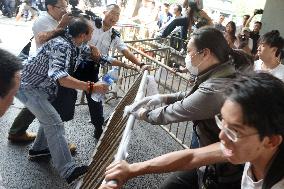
point(114, 33)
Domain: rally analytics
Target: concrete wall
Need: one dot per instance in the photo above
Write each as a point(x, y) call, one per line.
point(273, 16)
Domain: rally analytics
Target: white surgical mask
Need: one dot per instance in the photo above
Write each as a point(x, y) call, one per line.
point(193, 70)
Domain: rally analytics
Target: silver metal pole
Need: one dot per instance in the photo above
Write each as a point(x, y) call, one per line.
point(122, 149)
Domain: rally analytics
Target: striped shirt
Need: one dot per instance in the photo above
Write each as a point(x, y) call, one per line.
point(53, 61)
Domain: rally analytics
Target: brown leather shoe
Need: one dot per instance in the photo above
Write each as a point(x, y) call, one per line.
point(26, 137)
point(72, 148)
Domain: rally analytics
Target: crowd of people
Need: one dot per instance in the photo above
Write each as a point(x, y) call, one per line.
point(236, 102)
point(27, 9)
point(180, 20)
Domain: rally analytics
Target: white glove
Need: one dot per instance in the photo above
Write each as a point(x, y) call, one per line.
point(149, 101)
point(155, 100)
point(140, 113)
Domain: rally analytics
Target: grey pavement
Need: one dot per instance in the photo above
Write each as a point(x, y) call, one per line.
point(16, 171)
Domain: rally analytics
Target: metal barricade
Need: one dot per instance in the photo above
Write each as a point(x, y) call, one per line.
point(168, 82)
point(161, 49)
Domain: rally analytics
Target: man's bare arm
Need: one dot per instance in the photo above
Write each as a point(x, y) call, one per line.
point(130, 56)
point(43, 37)
point(175, 161)
point(180, 160)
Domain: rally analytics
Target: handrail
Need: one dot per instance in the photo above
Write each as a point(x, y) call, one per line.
point(168, 68)
point(121, 152)
point(122, 148)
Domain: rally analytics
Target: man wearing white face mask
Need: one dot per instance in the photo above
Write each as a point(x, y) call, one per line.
point(209, 58)
point(193, 70)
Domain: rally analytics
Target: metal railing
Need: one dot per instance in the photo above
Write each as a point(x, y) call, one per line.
point(168, 82)
point(167, 79)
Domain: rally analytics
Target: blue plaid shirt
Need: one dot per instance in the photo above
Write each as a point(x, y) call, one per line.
point(52, 62)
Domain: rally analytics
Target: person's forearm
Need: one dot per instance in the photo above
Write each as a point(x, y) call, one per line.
point(71, 82)
point(173, 97)
point(130, 56)
point(43, 37)
point(117, 63)
point(182, 21)
point(249, 21)
point(179, 161)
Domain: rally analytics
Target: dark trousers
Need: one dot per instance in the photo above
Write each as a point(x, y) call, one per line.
point(96, 112)
point(189, 180)
point(181, 180)
point(25, 117)
point(22, 122)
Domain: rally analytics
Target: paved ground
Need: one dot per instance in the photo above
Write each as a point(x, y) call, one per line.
point(18, 172)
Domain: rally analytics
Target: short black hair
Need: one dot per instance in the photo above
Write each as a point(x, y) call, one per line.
point(260, 96)
point(9, 65)
point(258, 22)
point(179, 8)
point(50, 2)
point(213, 39)
point(273, 39)
point(166, 4)
point(78, 25)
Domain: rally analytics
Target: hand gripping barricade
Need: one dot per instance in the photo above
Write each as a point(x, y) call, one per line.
point(168, 82)
point(107, 146)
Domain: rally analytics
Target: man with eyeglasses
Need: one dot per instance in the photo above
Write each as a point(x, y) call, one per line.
point(48, 24)
point(51, 21)
point(251, 131)
point(210, 60)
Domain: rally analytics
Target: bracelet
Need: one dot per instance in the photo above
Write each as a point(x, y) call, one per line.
point(142, 64)
point(88, 87)
point(92, 85)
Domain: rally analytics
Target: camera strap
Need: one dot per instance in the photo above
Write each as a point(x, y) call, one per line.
point(98, 22)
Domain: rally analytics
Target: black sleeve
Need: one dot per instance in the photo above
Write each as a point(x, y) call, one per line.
point(182, 21)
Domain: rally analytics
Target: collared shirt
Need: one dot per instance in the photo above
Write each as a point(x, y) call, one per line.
point(247, 181)
point(102, 40)
point(50, 63)
point(45, 22)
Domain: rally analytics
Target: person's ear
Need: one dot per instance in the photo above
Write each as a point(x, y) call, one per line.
point(50, 7)
point(205, 52)
point(81, 36)
point(275, 50)
point(273, 141)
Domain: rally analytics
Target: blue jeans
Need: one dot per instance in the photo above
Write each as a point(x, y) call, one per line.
point(51, 129)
